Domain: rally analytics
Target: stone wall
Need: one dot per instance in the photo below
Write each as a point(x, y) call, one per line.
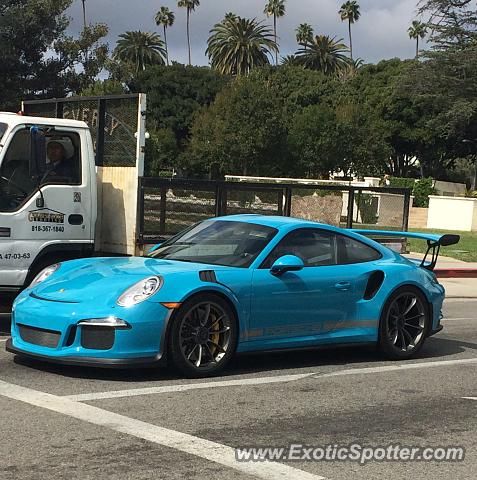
point(325, 209)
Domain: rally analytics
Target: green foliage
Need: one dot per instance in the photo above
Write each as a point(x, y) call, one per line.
point(325, 54)
point(161, 152)
point(238, 44)
point(141, 49)
point(175, 94)
point(38, 59)
point(397, 182)
point(242, 132)
point(368, 208)
point(421, 191)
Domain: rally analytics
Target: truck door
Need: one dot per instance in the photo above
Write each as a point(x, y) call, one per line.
point(50, 215)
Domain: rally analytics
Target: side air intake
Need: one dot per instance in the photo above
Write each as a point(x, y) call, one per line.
point(374, 284)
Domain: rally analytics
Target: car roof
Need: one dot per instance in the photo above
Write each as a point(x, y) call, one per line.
point(273, 221)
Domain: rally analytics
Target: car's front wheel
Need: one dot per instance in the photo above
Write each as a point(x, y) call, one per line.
point(404, 323)
point(203, 337)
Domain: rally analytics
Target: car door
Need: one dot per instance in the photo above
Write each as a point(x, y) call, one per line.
point(303, 303)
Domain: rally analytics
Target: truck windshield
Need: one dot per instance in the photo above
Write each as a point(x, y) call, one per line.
point(218, 242)
point(3, 129)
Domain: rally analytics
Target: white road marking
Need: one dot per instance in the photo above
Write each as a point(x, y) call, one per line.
point(399, 367)
point(261, 380)
point(459, 318)
point(214, 452)
point(470, 398)
point(190, 386)
point(4, 339)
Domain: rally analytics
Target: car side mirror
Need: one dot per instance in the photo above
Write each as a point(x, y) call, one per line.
point(37, 164)
point(287, 263)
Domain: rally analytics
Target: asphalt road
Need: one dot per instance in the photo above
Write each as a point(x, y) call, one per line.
point(95, 424)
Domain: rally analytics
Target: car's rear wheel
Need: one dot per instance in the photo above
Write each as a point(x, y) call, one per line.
point(203, 336)
point(404, 324)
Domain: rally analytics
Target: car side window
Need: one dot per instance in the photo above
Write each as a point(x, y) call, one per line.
point(63, 167)
point(315, 247)
point(353, 251)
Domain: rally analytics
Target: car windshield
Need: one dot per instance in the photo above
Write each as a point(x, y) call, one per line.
point(218, 242)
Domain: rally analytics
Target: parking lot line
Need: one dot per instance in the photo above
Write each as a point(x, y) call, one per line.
point(262, 380)
point(470, 398)
point(399, 367)
point(214, 452)
point(189, 386)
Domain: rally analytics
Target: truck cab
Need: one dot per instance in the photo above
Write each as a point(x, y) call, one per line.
point(48, 195)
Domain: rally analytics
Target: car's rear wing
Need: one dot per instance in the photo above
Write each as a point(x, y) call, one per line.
point(434, 242)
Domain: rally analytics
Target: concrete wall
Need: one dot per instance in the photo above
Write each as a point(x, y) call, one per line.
point(450, 189)
point(418, 217)
point(452, 213)
point(117, 210)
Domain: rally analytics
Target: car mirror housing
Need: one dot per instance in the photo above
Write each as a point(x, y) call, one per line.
point(287, 263)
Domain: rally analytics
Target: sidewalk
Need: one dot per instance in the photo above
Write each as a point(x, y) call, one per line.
point(458, 278)
point(460, 287)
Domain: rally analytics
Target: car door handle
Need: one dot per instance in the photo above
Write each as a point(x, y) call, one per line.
point(343, 286)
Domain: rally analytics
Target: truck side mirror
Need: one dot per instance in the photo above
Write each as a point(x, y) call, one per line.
point(37, 152)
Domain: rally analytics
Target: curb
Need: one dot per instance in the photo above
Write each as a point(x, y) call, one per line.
point(456, 272)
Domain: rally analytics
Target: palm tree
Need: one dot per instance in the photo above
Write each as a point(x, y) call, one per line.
point(140, 49)
point(416, 31)
point(84, 13)
point(230, 16)
point(291, 61)
point(237, 46)
point(165, 18)
point(325, 54)
point(275, 9)
point(190, 5)
point(304, 33)
point(350, 11)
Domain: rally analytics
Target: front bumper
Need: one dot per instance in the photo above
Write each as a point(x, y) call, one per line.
point(56, 332)
point(87, 361)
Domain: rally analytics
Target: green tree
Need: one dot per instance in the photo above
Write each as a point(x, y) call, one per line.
point(304, 33)
point(416, 31)
point(49, 63)
point(242, 132)
point(275, 9)
point(190, 6)
point(350, 11)
point(165, 18)
point(237, 46)
point(175, 94)
point(325, 54)
point(141, 49)
point(162, 152)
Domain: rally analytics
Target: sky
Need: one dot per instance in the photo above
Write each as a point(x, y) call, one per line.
point(381, 32)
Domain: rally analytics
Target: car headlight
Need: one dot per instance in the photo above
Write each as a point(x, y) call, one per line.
point(140, 291)
point(44, 274)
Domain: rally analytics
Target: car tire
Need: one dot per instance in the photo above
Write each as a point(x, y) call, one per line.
point(404, 323)
point(203, 336)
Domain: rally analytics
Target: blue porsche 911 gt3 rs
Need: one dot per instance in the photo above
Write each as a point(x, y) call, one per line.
point(232, 284)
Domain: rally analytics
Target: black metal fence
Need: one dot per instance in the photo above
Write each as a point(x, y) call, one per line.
point(167, 206)
point(113, 121)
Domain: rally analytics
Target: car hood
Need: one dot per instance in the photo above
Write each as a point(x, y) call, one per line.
point(106, 278)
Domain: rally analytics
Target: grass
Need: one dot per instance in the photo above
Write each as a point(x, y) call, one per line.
point(465, 250)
